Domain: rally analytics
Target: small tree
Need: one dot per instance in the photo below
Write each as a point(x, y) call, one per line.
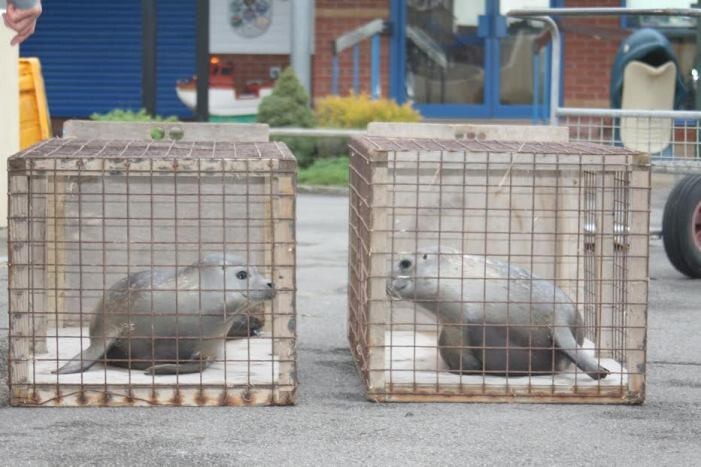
point(288, 105)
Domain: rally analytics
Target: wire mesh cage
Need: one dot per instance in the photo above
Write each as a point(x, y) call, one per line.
point(498, 271)
point(152, 273)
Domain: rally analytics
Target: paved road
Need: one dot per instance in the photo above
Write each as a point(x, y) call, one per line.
point(333, 424)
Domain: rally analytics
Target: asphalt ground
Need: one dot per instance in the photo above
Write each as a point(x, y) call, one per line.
point(333, 424)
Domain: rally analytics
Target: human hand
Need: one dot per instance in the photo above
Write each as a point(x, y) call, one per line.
point(21, 21)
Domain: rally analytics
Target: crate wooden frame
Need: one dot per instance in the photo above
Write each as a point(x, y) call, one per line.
point(29, 222)
point(375, 161)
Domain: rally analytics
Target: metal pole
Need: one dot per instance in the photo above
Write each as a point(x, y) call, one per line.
point(605, 11)
point(555, 69)
point(334, 75)
point(547, 79)
point(356, 69)
point(554, 63)
point(375, 86)
point(301, 40)
point(148, 56)
point(632, 113)
point(697, 61)
point(202, 53)
point(536, 87)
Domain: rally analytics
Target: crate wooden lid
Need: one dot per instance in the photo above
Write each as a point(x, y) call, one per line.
point(58, 153)
point(380, 144)
point(383, 144)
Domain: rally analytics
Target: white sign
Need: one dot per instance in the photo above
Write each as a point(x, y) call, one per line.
point(250, 26)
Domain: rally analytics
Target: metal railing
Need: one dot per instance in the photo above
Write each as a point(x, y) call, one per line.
point(546, 15)
point(671, 137)
point(352, 39)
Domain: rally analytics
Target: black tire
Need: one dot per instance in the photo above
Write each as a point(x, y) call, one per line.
point(678, 228)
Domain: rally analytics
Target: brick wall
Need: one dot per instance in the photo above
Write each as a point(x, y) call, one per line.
point(590, 48)
point(333, 18)
point(254, 67)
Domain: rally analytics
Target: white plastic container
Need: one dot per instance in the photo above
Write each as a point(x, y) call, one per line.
point(9, 117)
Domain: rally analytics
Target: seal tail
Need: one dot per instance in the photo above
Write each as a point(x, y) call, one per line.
point(87, 358)
point(565, 340)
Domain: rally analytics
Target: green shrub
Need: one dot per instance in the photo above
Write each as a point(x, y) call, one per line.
point(331, 147)
point(333, 171)
point(356, 111)
point(121, 115)
point(288, 105)
point(303, 148)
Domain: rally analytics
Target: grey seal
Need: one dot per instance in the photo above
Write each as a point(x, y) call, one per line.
point(168, 322)
point(539, 332)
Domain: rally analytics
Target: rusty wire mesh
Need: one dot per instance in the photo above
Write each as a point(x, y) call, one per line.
point(470, 261)
point(177, 245)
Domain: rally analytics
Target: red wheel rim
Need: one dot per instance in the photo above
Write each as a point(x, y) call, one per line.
point(696, 225)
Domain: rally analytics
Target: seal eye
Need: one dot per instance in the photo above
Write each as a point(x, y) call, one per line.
point(242, 275)
point(425, 256)
point(404, 264)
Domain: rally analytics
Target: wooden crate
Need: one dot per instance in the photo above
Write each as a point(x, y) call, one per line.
point(575, 214)
point(86, 213)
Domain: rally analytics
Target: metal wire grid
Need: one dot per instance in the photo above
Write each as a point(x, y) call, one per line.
point(425, 190)
point(72, 148)
point(673, 142)
point(130, 206)
point(360, 199)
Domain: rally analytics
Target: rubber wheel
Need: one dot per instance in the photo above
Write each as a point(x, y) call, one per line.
point(681, 226)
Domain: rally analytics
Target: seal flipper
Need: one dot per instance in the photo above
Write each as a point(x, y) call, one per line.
point(244, 325)
point(87, 357)
point(197, 364)
point(454, 346)
point(564, 339)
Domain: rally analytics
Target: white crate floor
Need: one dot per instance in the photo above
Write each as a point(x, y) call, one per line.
point(264, 367)
point(430, 368)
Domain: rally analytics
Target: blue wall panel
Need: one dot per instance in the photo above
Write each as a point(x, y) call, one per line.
point(175, 53)
point(90, 54)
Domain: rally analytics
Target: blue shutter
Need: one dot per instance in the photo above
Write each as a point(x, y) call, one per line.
point(175, 53)
point(90, 54)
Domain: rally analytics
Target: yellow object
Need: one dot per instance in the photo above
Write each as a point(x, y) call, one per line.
point(357, 110)
point(35, 123)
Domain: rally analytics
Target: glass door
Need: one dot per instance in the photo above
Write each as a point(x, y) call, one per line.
point(523, 51)
point(465, 59)
point(446, 57)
